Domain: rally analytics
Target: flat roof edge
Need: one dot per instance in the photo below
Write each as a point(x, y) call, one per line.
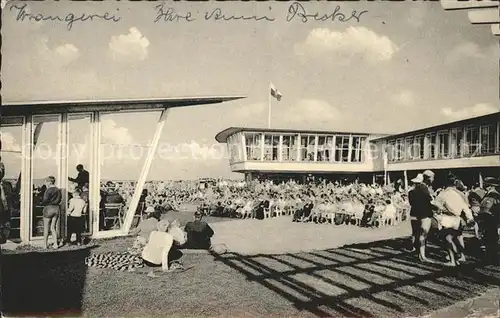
point(222, 135)
point(156, 100)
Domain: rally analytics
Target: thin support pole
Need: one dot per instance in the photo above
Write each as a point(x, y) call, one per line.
point(269, 107)
point(144, 173)
point(406, 180)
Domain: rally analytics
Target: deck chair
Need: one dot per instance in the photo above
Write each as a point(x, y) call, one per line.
point(139, 214)
point(276, 209)
point(267, 213)
point(113, 213)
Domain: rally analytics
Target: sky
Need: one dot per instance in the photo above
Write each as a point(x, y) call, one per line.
point(403, 66)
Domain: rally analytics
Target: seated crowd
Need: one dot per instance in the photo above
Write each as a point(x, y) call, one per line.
point(360, 204)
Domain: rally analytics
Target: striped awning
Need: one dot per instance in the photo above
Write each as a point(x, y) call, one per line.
point(479, 12)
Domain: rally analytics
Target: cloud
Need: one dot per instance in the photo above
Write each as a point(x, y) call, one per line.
point(250, 110)
point(467, 112)
point(417, 15)
point(112, 133)
point(129, 47)
point(307, 110)
point(67, 52)
point(48, 58)
point(303, 111)
point(470, 50)
point(9, 142)
point(355, 40)
point(404, 98)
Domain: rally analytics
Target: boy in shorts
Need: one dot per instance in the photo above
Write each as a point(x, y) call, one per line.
point(77, 207)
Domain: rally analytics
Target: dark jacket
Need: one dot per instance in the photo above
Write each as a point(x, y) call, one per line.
point(6, 207)
point(52, 196)
point(114, 197)
point(82, 178)
point(491, 204)
point(420, 201)
point(199, 235)
point(476, 197)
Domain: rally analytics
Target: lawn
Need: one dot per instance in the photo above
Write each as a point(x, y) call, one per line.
point(364, 280)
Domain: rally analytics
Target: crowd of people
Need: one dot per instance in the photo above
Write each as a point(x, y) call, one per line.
point(448, 210)
point(326, 202)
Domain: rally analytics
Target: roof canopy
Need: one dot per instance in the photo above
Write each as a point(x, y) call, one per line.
point(478, 119)
point(223, 135)
point(51, 107)
point(479, 12)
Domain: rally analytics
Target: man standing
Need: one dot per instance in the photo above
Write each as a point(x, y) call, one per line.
point(422, 209)
point(82, 177)
point(488, 219)
point(415, 222)
point(475, 198)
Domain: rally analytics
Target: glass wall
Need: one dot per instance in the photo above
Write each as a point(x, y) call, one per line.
point(46, 158)
point(253, 145)
point(430, 146)
point(11, 133)
point(304, 147)
point(307, 147)
point(341, 148)
point(234, 145)
point(271, 147)
point(391, 150)
point(79, 158)
point(357, 148)
point(488, 138)
point(472, 144)
point(419, 148)
point(325, 149)
point(456, 142)
point(400, 149)
point(289, 148)
point(123, 148)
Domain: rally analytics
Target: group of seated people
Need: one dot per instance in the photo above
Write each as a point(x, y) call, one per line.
point(158, 240)
point(354, 210)
point(363, 205)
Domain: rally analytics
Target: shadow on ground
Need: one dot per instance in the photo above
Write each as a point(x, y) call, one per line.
point(365, 280)
point(44, 283)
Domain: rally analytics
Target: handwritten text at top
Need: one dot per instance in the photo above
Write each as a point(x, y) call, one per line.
point(295, 12)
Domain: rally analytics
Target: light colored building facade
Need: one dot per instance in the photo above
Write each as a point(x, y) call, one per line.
point(285, 154)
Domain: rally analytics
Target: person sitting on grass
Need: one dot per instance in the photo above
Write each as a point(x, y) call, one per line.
point(156, 253)
point(199, 233)
point(143, 231)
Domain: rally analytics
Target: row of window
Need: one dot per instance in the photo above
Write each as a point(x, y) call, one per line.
point(304, 148)
point(458, 142)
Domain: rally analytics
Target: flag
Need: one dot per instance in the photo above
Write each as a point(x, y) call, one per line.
point(275, 93)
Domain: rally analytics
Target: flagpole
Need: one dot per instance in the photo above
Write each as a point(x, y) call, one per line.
point(269, 106)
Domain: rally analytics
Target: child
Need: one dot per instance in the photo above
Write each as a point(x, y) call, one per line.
point(76, 208)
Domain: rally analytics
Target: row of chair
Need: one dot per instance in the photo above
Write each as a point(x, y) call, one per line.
point(339, 217)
